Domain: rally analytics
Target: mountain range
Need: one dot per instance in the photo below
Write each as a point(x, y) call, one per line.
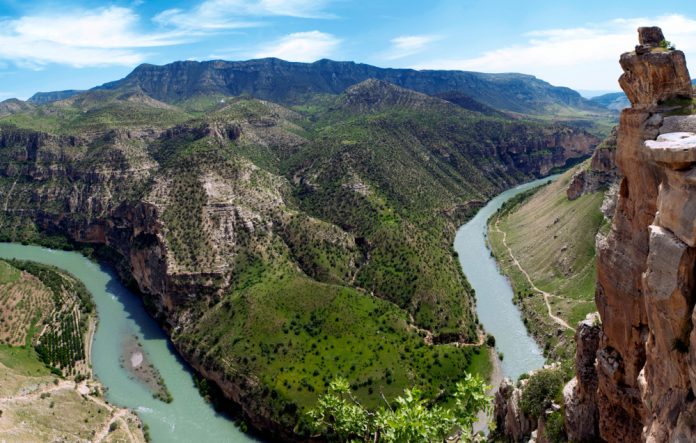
point(290, 83)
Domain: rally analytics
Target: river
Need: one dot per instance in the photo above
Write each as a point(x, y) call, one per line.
point(189, 418)
point(496, 311)
point(121, 315)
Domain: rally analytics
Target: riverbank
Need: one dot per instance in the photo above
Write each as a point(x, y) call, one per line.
point(494, 295)
point(544, 244)
point(52, 313)
point(121, 314)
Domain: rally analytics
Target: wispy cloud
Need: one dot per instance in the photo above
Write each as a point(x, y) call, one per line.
point(216, 15)
point(301, 47)
point(106, 36)
point(584, 57)
point(114, 35)
point(407, 45)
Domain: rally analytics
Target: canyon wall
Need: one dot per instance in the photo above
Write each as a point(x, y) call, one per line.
point(645, 361)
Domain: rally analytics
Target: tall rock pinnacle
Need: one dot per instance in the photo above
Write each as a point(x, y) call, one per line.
point(653, 74)
point(646, 280)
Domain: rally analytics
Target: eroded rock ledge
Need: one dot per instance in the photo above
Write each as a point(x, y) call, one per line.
point(645, 363)
point(636, 368)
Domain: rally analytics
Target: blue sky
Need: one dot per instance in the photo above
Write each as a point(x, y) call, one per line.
point(53, 45)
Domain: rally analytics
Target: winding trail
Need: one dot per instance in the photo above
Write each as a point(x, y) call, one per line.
point(546, 295)
point(7, 200)
point(117, 414)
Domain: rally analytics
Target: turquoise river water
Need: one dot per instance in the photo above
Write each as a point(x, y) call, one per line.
point(496, 311)
point(189, 418)
point(121, 314)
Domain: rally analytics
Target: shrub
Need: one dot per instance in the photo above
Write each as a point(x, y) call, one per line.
point(541, 389)
point(554, 430)
point(666, 44)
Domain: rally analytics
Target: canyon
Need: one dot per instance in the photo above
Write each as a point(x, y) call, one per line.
point(260, 233)
point(634, 361)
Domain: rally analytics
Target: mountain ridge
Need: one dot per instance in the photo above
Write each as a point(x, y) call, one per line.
point(289, 82)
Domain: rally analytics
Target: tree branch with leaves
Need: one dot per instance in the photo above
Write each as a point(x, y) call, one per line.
point(339, 416)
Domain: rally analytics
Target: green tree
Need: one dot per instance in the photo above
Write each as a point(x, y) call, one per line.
point(541, 390)
point(340, 416)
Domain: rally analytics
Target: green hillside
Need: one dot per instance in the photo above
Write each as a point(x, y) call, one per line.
point(281, 246)
point(553, 240)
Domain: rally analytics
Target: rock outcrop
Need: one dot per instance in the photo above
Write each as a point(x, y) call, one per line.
point(601, 173)
point(510, 420)
point(646, 357)
point(580, 394)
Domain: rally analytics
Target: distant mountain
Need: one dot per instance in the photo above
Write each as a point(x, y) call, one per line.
point(12, 106)
point(616, 101)
point(289, 83)
point(41, 98)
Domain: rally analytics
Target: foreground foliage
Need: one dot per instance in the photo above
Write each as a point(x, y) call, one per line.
point(409, 419)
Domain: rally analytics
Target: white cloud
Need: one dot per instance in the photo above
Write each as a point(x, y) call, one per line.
point(584, 57)
point(212, 15)
point(301, 47)
point(407, 45)
point(101, 37)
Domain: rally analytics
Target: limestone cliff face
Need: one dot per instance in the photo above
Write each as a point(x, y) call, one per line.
point(646, 356)
point(601, 174)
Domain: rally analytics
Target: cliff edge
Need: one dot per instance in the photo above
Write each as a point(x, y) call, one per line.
point(644, 373)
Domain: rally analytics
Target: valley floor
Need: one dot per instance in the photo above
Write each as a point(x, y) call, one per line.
point(544, 243)
point(37, 404)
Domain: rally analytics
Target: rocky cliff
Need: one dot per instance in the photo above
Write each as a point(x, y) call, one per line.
point(645, 363)
point(601, 173)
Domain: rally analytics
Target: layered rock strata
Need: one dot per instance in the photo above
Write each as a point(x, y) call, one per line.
point(646, 356)
point(601, 173)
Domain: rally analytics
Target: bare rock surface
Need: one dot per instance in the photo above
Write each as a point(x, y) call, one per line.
point(652, 74)
point(602, 173)
point(645, 367)
point(677, 150)
point(510, 420)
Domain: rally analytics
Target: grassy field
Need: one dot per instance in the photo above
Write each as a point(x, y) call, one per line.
point(553, 240)
point(38, 406)
point(296, 335)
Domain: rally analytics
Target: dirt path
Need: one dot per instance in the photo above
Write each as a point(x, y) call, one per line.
point(117, 417)
point(33, 395)
point(428, 336)
point(91, 329)
point(9, 194)
point(546, 295)
point(117, 414)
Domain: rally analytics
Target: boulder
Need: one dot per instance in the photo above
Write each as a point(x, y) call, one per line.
point(650, 36)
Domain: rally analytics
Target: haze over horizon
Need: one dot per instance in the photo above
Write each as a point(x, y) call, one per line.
point(48, 45)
